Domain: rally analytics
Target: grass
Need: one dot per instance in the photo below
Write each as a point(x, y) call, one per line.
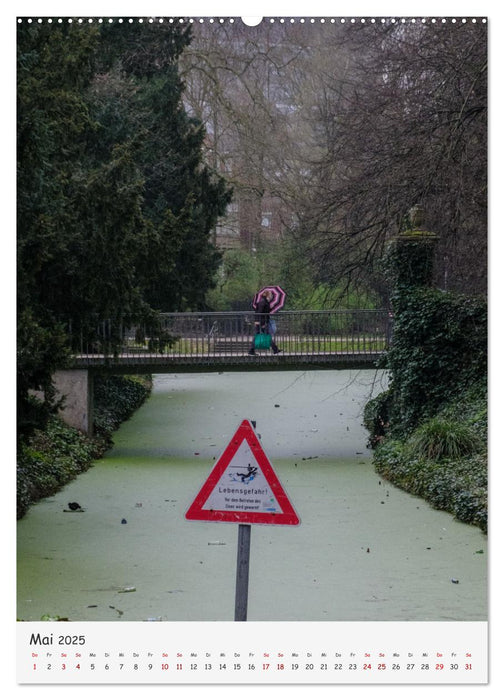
point(440, 438)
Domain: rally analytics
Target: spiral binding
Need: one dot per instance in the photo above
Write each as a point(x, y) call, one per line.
point(265, 20)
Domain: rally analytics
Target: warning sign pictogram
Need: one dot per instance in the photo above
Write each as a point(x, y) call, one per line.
point(242, 487)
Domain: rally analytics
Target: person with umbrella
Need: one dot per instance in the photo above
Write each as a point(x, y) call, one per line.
point(262, 318)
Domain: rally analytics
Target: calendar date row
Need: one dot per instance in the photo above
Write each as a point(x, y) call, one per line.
point(110, 666)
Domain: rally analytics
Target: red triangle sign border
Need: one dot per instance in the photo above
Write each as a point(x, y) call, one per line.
point(287, 516)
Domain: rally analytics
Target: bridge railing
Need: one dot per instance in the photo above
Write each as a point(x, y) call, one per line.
point(203, 335)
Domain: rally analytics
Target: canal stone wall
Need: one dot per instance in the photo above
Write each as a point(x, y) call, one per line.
point(75, 387)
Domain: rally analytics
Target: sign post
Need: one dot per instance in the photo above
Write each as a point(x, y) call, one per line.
point(243, 488)
point(242, 572)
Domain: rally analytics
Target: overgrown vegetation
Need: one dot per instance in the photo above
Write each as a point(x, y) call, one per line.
point(429, 429)
point(116, 398)
point(53, 456)
point(439, 348)
point(445, 459)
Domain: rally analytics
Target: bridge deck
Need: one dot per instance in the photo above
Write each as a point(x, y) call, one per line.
point(142, 363)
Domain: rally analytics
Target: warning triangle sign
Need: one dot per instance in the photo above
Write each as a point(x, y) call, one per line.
point(242, 486)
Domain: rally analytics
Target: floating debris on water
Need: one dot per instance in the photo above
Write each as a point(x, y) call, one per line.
point(217, 542)
point(127, 589)
point(74, 507)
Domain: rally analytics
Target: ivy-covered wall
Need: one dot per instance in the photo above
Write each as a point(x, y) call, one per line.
point(439, 349)
point(439, 341)
point(429, 429)
point(409, 261)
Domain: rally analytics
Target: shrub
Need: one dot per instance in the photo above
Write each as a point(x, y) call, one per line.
point(440, 438)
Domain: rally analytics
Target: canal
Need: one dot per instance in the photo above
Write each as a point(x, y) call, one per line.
point(364, 549)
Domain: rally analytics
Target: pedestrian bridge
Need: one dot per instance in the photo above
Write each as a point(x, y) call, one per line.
point(211, 342)
point(192, 342)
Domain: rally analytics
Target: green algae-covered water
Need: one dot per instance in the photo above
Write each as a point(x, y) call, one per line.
point(364, 550)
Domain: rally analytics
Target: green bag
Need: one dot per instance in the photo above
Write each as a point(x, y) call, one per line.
point(262, 341)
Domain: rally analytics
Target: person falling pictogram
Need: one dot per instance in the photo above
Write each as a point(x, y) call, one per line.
point(251, 472)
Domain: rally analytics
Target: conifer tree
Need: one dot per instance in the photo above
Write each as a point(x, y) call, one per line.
point(115, 203)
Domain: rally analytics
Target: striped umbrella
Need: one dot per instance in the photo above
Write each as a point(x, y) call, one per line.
point(277, 300)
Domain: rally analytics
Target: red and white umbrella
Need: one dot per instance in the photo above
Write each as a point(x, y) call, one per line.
point(277, 300)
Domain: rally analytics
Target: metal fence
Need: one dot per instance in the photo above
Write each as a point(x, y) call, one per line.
point(207, 335)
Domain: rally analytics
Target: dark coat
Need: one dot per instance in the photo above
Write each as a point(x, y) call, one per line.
point(262, 312)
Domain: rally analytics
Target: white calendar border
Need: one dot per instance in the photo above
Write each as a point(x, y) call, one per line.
point(427, 8)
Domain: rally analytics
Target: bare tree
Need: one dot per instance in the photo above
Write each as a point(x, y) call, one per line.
point(345, 128)
point(238, 83)
point(407, 126)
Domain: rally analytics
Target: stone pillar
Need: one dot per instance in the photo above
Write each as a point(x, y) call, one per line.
point(409, 256)
point(76, 388)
